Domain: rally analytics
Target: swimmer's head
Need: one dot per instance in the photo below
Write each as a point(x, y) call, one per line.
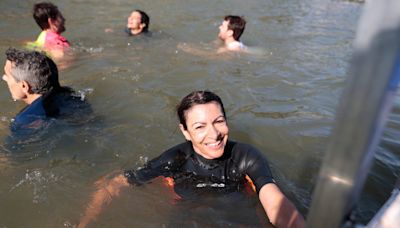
point(145, 19)
point(233, 23)
point(196, 98)
point(139, 21)
point(35, 68)
point(47, 16)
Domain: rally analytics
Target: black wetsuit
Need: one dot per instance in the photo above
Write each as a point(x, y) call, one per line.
point(190, 170)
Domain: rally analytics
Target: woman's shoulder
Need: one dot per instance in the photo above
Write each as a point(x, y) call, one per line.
point(182, 150)
point(243, 151)
point(242, 147)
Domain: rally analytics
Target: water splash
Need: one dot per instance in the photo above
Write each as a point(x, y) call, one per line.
point(82, 93)
point(40, 181)
point(143, 160)
point(80, 47)
point(3, 119)
point(69, 224)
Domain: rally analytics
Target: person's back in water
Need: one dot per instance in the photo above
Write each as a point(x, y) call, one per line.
point(32, 77)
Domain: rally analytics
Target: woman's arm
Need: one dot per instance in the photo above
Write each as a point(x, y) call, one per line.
point(280, 211)
point(107, 189)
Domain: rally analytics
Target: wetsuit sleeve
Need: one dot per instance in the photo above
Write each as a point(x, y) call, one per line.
point(255, 165)
point(164, 165)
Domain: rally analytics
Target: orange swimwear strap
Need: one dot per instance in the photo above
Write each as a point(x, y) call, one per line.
point(251, 183)
point(169, 181)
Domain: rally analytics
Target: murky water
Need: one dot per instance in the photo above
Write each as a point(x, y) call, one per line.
point(282, 100)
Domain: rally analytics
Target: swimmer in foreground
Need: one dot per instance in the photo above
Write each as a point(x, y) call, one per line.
point(52, 23)
point(207, 161)
point(32, 77)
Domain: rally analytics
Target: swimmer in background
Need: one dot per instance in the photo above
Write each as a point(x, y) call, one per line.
point(32, 77)
point(206, 162)
point(230, 31)
point(138, 23)
point(52, 23)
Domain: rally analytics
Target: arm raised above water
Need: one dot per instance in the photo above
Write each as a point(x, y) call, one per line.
point(107, 189)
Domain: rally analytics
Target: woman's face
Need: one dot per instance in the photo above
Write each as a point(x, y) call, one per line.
point(206, 129)
point(134, 20)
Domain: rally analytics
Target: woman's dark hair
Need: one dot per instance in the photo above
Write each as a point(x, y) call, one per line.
point(195, 98)
point(145, 19)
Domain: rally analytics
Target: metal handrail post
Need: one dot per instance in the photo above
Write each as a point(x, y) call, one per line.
point(366, 101)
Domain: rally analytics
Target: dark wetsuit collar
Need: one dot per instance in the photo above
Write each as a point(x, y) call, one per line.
point(212, 163)
point(204, 162)
point(129, 32)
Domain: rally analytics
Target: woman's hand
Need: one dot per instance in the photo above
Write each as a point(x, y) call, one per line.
point(280, 211)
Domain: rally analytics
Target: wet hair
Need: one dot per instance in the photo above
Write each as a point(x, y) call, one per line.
point(236, 24)
point(43, 11)
point(34, 67)
point(196, 98)
point(144, 19)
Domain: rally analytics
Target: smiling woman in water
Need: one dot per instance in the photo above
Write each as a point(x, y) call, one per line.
point(207, 161)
